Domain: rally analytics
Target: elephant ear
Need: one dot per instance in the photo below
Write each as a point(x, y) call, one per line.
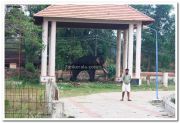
point(98, 60)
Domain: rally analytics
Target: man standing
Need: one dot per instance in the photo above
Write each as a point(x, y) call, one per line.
point(126, 84)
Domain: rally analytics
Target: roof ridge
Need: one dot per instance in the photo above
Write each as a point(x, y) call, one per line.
point(139, 12)
point(43, 10)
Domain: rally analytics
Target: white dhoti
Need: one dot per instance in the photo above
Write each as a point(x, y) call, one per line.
point(126, 87)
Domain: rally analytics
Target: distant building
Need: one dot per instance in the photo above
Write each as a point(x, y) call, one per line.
point(15, 55)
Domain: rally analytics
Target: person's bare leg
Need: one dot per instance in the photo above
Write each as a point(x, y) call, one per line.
point(122, 96)
point(128, 95)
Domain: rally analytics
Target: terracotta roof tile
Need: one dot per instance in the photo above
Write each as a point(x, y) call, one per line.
point(100, 12)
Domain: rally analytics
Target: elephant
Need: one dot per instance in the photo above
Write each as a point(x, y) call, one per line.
point(87, 63)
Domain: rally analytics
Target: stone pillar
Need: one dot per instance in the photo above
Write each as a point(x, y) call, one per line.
point(165, 79)
point(44, 51)
point(125, 48)
point(118, 56)
point(138, 52)
point(57, 109)
point(130, 49)
point(52, 50)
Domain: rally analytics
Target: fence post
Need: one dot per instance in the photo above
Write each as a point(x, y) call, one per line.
point(49, 96)
point(165, 79)
point(57, 109)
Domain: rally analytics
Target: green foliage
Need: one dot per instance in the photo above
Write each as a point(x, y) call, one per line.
point(111, 70)
point(32, 43)
point(29, 77)
point(85, 88)
point(165, 25)
point(35, 8)
point(171, 82)
point(26, 77)
point(73, 43)
point(67, 51)
point(20, 26)
point(30, 67)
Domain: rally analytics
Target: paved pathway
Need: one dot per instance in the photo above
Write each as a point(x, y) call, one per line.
point(108, 105)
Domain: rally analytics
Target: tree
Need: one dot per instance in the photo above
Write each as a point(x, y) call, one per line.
point(18, 25)
point(35, 8)
point(165, 25)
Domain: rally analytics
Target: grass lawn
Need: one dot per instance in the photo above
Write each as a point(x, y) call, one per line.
point(68, 89)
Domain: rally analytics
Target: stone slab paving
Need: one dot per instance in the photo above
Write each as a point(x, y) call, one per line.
point(108, 105)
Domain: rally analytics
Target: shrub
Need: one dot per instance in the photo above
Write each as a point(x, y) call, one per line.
point(30, 77)
point(111, 70)
point(29, 74)
point(171, 82)
point(30, 67)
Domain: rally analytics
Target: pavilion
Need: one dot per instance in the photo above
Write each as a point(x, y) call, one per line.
point(122, 18)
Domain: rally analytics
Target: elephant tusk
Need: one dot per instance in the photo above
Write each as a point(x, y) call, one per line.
point(105, 71)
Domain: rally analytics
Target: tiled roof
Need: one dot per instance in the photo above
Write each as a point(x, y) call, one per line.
point(95, 12)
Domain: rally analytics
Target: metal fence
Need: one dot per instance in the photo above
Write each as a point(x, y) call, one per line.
point(26, 102)
point(21, 101)
point(32, 101)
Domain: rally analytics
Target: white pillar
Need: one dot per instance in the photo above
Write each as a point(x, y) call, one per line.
point(125, 48)
point(44, 51)
point(118, 55)
point(49, 60)
point(52, 50)
point(165, 79)
point(138, 52)
point(50, 86)
point(130, 49)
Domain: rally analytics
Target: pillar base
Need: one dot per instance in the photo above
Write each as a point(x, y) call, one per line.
point(140, 82)
point(165, 80)
point(44, 79)
point(57, 109)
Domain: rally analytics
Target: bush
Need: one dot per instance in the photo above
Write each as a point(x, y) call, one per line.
point(171, 82)
point(29, 77)
point(111, 70)
point(29, 74)
point(30, 67)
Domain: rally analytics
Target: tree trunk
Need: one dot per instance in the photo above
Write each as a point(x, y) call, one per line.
point(149, 63)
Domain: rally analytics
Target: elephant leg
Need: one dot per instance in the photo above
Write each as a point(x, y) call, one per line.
point(74, 75)
point(91, 75)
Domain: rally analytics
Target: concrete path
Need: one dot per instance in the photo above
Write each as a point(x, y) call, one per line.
point(108, 105)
